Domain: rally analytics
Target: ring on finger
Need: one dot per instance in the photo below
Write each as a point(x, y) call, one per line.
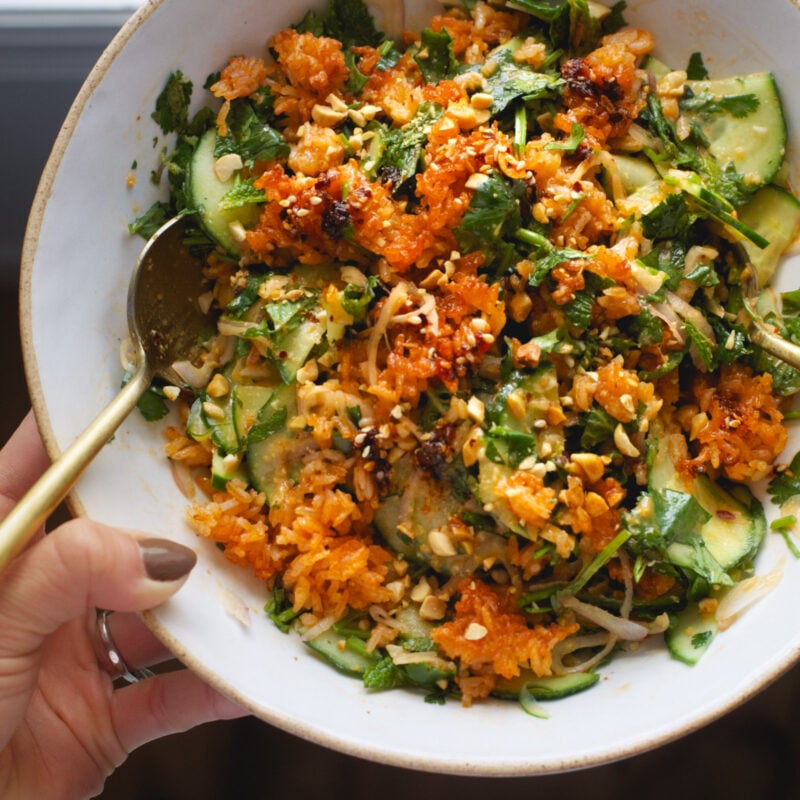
point(109, 656)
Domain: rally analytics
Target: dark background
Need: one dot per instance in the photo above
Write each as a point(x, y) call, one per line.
point(754, 752)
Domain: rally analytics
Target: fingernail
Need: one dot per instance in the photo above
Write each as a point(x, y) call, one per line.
point(165, 560)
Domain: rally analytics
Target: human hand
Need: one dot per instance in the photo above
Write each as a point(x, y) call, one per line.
point(64, 727)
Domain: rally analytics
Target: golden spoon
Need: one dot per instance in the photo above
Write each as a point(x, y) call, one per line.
point(165, 320)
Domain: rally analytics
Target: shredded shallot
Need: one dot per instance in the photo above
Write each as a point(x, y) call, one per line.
point(744, 594)
point(622, 628)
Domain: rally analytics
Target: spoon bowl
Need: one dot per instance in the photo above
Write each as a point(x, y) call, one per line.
point(165, 320)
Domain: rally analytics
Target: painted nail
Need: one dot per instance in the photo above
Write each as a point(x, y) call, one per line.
point(165, 560)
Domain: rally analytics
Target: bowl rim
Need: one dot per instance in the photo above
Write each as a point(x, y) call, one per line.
point(307, 731)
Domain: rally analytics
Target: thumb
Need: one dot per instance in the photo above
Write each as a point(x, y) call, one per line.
point(80, 565)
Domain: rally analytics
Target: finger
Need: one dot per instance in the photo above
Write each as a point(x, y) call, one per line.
point(22, 461)
point(165, 704)
point(134, 641)
point(80, 565)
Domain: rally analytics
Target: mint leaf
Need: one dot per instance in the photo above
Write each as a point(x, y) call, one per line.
point(172, 104)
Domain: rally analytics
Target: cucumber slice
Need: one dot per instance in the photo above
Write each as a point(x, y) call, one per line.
point(341, 652)
point(201, 427)
point(755, 142)
point(658, 69)
point(552, 687)
point(207, 191)
point(636, 173)
point(735, 531)
point(197, 425)
point(247, 404)
point(295, 348)
point(689, 634)
point(273, 459)
point(223, 432)
point(223, 471)
point(775, 214)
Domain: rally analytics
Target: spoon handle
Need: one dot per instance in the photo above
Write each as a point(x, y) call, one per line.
point(53, 486)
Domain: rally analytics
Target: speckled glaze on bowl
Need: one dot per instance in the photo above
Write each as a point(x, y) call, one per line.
point(76, 262)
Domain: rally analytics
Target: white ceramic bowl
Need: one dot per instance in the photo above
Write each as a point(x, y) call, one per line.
point(76, 263)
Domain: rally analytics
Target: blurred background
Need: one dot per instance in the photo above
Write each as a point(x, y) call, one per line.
point(47, 47)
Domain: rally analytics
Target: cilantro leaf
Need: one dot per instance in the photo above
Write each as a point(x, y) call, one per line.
point(152, 405)
point(152, 219)
point(696, 68)
point(570, 145)
point(246, 297)
point(349, 21)
point(356, 299)
point(679, 515)
point(738, 105)
point(357, 80)
point(493, 213)
point(786, 485)
point(250, 136)
point(435, 57)
point(403, 147)
point(598, 427)
point(508, 446)
point(670, 219)
point(511, 81)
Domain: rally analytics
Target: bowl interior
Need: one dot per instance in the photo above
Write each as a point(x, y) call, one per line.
point(76, 263)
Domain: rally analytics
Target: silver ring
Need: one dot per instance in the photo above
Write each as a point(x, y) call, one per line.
point(114, 663)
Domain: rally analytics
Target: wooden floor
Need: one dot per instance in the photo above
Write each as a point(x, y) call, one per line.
point(752, 753)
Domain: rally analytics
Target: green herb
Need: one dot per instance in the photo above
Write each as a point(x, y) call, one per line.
point(508, 446)
point(172, 104)
point(246, 297)
point(786, 485)
point(702, 345)
point(791, 302)
point(646, 328)
point(670, 219)
point(597, 426)
point(696, 69)
point(701, 639)
point(250, 136)
point(147, 224)
point(152, 404)
point(570, 145)
point(356, 299)
point(784, 526)
point(615, 20)
point(242, 193)
point(357, 80)
point(279, 609)
point(435, 57)
point(403, 147)
point(349, 21)
point(678, 514)
point(739, 105)
point(493, 214)
point(382, 675)
point(270, 421)
point(389, 56)
point(510, 81)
